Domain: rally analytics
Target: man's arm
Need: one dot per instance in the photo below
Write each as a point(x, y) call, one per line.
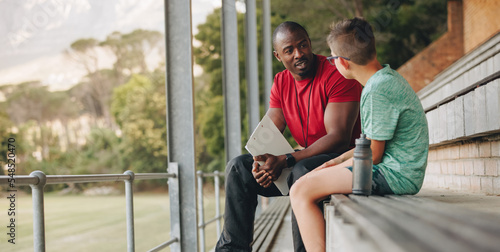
point(277, 116)
point(340, 118)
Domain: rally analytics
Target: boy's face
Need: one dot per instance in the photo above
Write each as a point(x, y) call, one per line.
point(342, 66)
point(293, 49)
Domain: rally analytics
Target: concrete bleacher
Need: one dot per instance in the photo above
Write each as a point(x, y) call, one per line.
point(477, 203)
point(408, 223)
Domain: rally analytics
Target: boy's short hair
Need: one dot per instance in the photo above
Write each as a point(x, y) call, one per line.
point(354, 39)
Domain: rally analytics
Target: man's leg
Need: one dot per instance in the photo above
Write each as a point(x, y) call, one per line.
point(301, 168)
point(241, 202)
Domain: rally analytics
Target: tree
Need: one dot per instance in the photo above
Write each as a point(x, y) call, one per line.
point(5, 134)
point(139, 109)
point(95, 91)
point(129, 50)
point(132, 48)
point(402, 28)
point(32, 101)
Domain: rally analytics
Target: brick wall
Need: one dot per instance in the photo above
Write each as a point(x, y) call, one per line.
point(470, 24)
point(470, 166)
point(481, 22)
point(420, 70)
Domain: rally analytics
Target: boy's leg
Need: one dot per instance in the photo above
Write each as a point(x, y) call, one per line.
point(241, 202)
point(311, 188)
point(300, 169)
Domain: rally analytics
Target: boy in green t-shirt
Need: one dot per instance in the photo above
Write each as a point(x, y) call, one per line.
point(391, 116)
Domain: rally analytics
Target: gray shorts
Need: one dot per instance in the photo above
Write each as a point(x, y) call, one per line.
point(379, 184)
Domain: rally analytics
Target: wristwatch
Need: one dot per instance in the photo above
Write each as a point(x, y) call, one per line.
point(290, 160)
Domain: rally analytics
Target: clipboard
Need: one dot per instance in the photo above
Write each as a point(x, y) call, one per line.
point(266, 138)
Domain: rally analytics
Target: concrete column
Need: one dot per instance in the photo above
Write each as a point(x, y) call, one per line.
point(180, 116)
point(231, 80)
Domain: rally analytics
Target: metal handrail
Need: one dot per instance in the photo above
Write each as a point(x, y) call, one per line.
point(59, 179)
point(164, 245)
point(218, 216)
point(37, 180)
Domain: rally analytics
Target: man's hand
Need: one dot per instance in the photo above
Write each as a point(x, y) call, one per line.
point(261, 176)
point(270, 170)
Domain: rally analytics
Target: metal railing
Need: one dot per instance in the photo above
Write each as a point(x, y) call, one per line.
point(201, 214)
point(37, 181)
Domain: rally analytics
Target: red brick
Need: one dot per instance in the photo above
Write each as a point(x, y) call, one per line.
point(480, 22)
point(470, 24)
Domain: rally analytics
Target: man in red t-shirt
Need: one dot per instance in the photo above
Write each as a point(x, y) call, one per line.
point(320, 108)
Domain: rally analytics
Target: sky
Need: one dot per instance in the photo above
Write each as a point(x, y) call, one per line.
point(34, 33)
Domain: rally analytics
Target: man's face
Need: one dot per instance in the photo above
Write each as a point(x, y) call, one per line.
point(293, 49)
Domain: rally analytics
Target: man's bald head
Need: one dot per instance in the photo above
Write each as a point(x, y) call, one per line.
point(287, 26)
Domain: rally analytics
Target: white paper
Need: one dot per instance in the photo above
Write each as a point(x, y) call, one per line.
point(266, 138)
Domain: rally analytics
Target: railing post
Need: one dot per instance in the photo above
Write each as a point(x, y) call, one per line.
point(38, 211)
point(201, 214)
point(129, 198)
point(175, 207)
point(217, 201)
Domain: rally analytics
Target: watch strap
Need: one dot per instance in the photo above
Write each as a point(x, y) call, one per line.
point(290, 160)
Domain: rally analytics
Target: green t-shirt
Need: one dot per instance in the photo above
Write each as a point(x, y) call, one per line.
point(392, 112)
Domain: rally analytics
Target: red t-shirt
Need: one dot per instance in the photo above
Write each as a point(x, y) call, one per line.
point(327, 86)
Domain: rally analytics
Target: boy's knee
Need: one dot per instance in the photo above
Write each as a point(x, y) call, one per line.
point(296, 192)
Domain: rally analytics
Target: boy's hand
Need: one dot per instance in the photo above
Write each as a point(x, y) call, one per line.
point(330, 163)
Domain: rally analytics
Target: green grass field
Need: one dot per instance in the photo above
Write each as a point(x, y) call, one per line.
point(96, 223)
